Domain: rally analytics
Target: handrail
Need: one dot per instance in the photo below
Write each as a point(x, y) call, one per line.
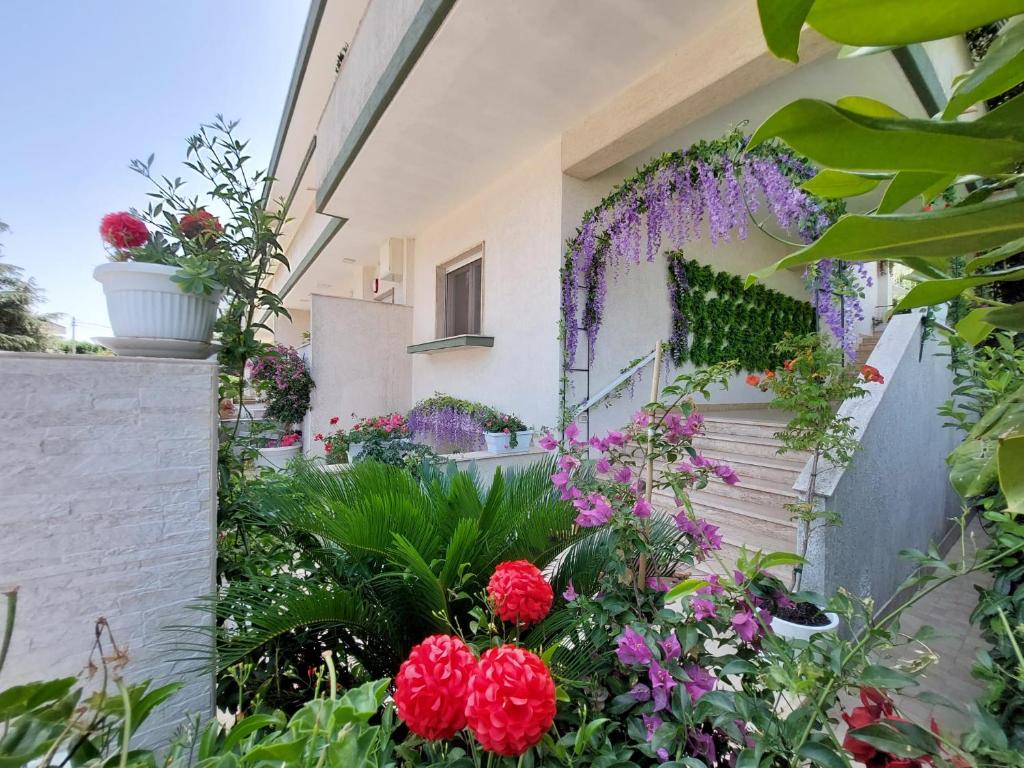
point(615, 384)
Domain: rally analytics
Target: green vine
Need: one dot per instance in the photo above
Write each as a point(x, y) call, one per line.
point(715, 319)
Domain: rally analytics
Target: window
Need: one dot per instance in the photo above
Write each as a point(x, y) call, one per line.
point(460, 292)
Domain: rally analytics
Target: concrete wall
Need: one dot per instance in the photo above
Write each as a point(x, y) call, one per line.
point(895, 494)
point(637, 309)
point(290, 332)
point(359, 362)
point(518, 219)
point(107, 508)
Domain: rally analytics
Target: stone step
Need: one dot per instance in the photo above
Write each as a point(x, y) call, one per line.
point(777, 518)
point(721, 425)
point(738, 444)
point(780, 469)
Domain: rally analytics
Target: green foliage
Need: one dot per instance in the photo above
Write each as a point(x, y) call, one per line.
point(717, 320)
point(21, 327)
point(399, 453)
point(68, 347)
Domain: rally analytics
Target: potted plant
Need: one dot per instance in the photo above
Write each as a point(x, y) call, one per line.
point(504, 432)
point(449, 424)
point(391, 427)
point(283, 378)
point(161, 289)
point(794, 616)
point(336, 446)
point(279, 451)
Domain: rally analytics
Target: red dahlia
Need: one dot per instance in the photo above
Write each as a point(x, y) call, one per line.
point(193, 224)
point(511, 700)
point(122, 230)
point(432, 685)
point(519, 593)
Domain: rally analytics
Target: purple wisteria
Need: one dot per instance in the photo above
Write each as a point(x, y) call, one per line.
point(837, 288)
point(449, 424)
point(712, 187)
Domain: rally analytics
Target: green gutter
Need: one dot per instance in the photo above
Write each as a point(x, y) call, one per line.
point(424, 24)
point(313, 19)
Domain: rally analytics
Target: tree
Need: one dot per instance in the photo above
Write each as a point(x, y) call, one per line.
point(21, 329)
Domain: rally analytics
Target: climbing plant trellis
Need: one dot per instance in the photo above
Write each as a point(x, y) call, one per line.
point(713, 188)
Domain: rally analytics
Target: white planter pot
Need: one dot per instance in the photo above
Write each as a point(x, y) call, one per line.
point(524, 440)
point(497, 442)
point(143, 302)
point(791, 631)
point(354, 449)
point(277, 458)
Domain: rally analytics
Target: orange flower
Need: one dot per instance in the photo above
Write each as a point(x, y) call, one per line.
point(871, 375)
point(769, 375)
point(788, 365)
point(753, 379)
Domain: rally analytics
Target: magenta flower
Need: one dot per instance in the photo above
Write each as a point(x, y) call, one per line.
point(782, 600)
point(572, 432)
point(703, 609)
point(642, 419)
point(713, 587)
point(652, 723)
point(560, 479)
point(728, 474)
point(594, 510)
point(616, 438)
point(547, 442)
point(570, 592)
point(640, 693)
point(701, 532)
point(662, 684)
point(632, 649)
point(622, 475)
point(602, 466)
point(642, 508)
point(670, 646)
point(598, 443)
point(745, 625)
point(568, 462)
point(658, 584)
point(701, 681)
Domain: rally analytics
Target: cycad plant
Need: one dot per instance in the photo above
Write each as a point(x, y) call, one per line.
point(383, 559)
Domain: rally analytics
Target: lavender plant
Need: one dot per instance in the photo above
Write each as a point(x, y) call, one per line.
point(449, 424)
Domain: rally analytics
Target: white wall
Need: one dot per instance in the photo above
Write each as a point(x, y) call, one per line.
point(637, 309)
point(289, 332)
point(518, 219)
point(359, 362)
point(108, 508)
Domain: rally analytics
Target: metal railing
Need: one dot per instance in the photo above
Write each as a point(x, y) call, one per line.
point(615, 383)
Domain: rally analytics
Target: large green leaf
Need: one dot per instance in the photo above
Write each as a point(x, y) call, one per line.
point(781, 24)
point(974, 328)
point(1000, 70)
point(1011, 318)
point(945, 233)
point(841, 138)
point(1010, 460)
point(994, 257)
point(899, 22)
point(973, 467)
point(931, 292)
point(907, 185)
point(829, 183)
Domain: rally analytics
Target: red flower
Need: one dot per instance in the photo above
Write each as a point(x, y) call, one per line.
point(334, 420)
point(871, 374)
point(432, 687)
point(327, 447)
point(788, 365)
point(519, 593)
point(318, 436)
point(511, 701)
point(122, 230)
point(753, 379)
point(768, 375)
point(200, 222)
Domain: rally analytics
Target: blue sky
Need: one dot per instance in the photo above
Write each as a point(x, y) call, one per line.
point(88, 85)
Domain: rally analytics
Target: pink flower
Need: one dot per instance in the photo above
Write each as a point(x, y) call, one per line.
point(658, 584)
point(622, 475)
point(572, 432)
point(547, 442)
point(560, 479)
point(616, 438)
point(594, 511)
point(632, 648)
point(745, 625)
point(334, 420)
point(642, 419)
point(702, 609)
point(642, 508)
point(568, 462)
point(662, 684)
point(598, 443)
point(701, 681)
point(570, 592)
point(602, 466)
point(670, 646)
point(713, 586)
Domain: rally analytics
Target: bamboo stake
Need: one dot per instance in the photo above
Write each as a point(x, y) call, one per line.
point(649, 484)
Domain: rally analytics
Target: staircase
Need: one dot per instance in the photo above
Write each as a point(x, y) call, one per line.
point(751, 514)
point(867, 345)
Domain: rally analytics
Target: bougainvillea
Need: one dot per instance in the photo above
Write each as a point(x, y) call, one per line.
point(282, 376)
point(511, 701)
point(712, 186)
point(432, 687)
point(122, 230)
point(520, 593)
point(714, 319)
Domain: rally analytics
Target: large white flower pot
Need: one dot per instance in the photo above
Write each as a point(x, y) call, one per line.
point(143, 302)
point(524, 440)
point(497, 442)
point(277, 458)
point(791, 631)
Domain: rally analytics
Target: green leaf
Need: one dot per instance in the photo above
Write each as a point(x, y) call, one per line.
point(1010, 459)
point(1000, 70)
point(863, 105)
point(685, 587)
point(900, 22)
point(877, 676)
point(780, 558)
point(829, 183)
point(931, 292)
point(781, 24)
point(906, 185)
point(1011, 318)
point(994, 257)
point(887, 739)
point(844, 139)
point(974, 328)
point(949, 232)
point(821, 755)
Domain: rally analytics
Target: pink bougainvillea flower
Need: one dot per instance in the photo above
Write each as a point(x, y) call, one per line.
point(602, 466)
point(652, 723)
point(572, 432)
point(642, 508)
point(632, 648)
point(642, 419)
point(728, 474)
point(547, 442)
point(622, 475)
point(670, 646)
point(598, 443)
point(701, 681)
point(616, 438)
point(662, 684)
point(703, 609)
point(640, 693)
point(570, 592)
point(567, 462)
point(560, 479)
point(658, 584)
point(713, 587)
point(595, 510)
point(122, 230)
point(745, 625)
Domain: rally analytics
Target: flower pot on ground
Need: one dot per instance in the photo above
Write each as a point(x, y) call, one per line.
point(794, 630)
point(502, 431)
point(144, 302)
point(277, 453)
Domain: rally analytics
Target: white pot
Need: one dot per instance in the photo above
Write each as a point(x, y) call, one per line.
point(497, 442)
point(791, 631)
point(277, 458)
point(143, 302)
point(354, 449)
point(524, 440)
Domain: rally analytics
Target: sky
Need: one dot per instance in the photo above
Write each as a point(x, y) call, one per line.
point(88, 85)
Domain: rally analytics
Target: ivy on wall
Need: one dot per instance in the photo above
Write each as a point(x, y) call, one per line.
point(714, 319)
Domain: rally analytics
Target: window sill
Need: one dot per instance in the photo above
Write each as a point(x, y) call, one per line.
point(449, 343)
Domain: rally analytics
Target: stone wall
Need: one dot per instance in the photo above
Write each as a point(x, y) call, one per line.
point(107, 508)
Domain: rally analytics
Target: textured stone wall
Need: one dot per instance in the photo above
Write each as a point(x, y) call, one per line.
point(107, 508)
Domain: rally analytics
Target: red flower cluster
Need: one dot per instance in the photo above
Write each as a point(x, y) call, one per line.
point(876, 707)
point(520, 593)
point(200, 222)
point(871, 374)
point(432, 686)
point(122, 230)
point(753, 379)
point(511, 701)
